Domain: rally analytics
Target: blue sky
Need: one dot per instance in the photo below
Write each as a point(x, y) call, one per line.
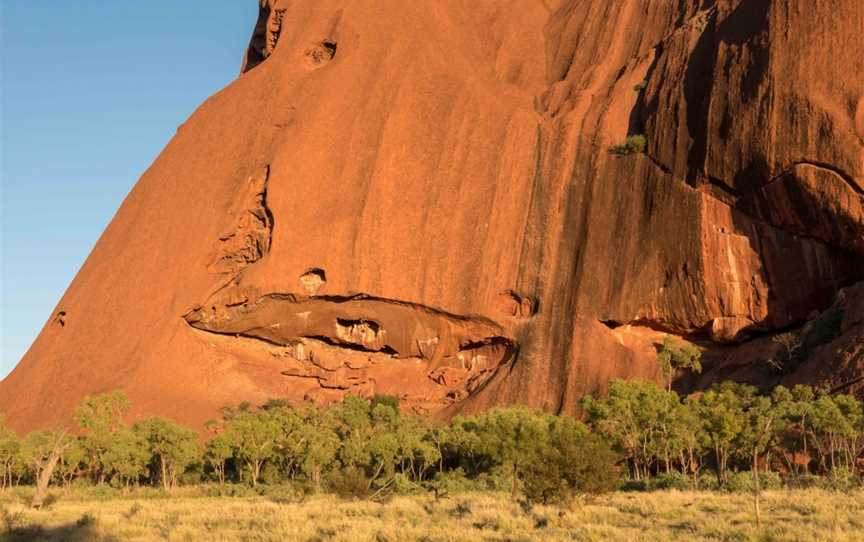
point(90, 92)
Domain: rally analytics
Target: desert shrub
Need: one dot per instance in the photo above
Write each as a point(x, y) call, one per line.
point(133, 511)
point(453, 482)
point(236, 490)
point(191, 477)
point(497, 479)
point(449, 482)
point(572, 462)
point(840, 479)
point(770, 480)
point(390, 401)
point(672, 480)
point(11, 520)
point(491, 524)
point(349, 483)
point(805, 481)
point(270, 474)
point(794, 350)
point(546, 485)
point(287, 493)
point(50, 500)
point(634, 485)
point(305, 487)
point(404, 485)
point(101, 492)
point(86, 520)
point(742, 482)
point(706, 482)
point(632, 145)
point(640, 86)
point(461, 510)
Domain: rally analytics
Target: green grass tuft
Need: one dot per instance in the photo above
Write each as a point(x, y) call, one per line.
point(632, 145)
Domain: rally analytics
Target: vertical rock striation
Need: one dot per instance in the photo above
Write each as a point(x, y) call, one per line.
point(419, 198)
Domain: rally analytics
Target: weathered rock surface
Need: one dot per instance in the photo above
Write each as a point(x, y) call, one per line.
point(827, 351)
point(417, 198)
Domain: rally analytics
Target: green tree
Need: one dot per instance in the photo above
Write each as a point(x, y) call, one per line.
point(764, 420)
point(368, 439)
point(505, 436)
point(677, 435)
point(171, 447)
point(218, 450)
point(417, 451)
point(100, 416)
point(255, 436)
point(320, 445)
point(798, 428)
point(637, 416)
point(460, 445)
point(35, 450)
point(374, 438)
point(127, 459)
point(69, 464)
point(292, 437)
point(852, 435)
point(102, 412)
point(673, 359)
point(384, 446)
point(837, 422)
point(42, 451)
point(353, 425)
point(687, 434)
point(10, 448)
point(721, 410)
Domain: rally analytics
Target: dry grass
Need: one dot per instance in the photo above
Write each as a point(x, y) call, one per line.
point(665, 515)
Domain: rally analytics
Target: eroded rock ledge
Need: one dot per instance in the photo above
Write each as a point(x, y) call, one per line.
point(363, 345)
point(248, 238)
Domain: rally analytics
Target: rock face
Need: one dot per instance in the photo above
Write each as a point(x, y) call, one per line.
point(418, 198)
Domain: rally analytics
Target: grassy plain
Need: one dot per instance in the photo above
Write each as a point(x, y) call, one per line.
point(800, 515)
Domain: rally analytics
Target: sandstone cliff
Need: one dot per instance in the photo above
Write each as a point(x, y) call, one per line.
point(418, 198)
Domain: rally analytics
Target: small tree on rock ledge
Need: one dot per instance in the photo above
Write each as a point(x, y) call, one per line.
point(673, 359)
point(634, 144)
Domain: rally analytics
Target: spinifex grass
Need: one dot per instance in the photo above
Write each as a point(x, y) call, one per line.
point(663, 515)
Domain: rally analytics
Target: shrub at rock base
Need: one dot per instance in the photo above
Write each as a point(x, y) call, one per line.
point(349, 483)
point(742, 482)
point(574, 465)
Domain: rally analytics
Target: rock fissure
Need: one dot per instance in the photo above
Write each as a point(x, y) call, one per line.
point(845, 176)
point(251, 234)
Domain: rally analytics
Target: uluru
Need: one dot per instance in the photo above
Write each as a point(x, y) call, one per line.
point(471, 204)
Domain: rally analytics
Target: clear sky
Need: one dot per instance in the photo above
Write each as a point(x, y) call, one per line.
point(90, 92)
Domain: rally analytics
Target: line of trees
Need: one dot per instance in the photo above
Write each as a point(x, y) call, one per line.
point(368, 447)
point(729, 426)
